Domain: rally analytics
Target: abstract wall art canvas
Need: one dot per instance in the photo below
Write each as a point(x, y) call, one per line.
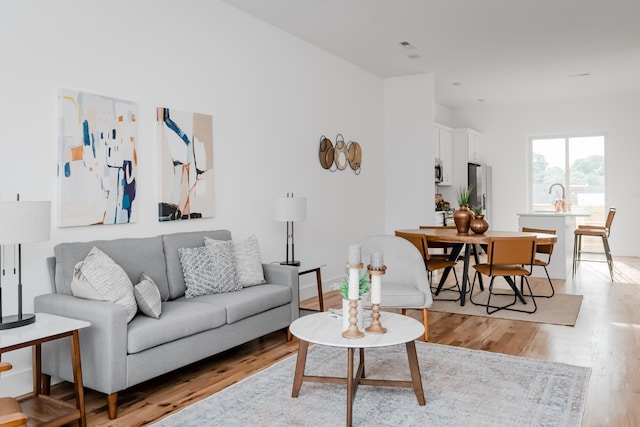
point(97, 165)
point(186, 165)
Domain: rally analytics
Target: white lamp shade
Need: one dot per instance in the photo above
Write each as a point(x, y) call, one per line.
point(291, 209)
point(24, 222)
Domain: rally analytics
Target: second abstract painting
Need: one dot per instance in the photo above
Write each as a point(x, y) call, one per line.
point(186, 165)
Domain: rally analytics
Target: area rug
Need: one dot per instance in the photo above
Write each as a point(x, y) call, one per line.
point(461, 386)
point(561, 309)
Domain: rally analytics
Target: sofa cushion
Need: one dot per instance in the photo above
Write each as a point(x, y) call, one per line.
point(134, 255)
point(179, 319)
point(248, 260)
point(248, 301)
point(209, 270)
point(99, 278)
point(175, 241)
point(148, 297)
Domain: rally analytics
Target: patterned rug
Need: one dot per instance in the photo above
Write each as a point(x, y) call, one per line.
point(462, 387)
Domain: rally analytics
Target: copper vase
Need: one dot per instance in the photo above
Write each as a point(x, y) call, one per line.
point(478, 224)
point(462, 219)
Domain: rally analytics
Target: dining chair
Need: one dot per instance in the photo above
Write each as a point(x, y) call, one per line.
point(11, 414)
point(601, 231)
point(439, 245)
point(508, 257)
point(431, 262)
point(405, 283)
point(545, 252)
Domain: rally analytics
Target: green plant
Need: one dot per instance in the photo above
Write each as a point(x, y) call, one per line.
point(363, 284)
point(477, 210)
point(463, 195)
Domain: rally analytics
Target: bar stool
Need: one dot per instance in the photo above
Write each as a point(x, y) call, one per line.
point(601, 231)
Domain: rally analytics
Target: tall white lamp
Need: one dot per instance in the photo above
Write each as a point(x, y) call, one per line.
point(21, 222)
point(290, 209)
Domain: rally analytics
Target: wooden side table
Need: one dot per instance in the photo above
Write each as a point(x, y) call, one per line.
point(305, 269)
point(42, 409)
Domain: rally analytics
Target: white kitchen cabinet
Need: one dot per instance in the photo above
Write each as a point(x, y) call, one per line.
point(443, 150)
point(466, 148)
point(473, 146)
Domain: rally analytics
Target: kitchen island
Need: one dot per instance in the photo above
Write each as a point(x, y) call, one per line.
point(564, 223)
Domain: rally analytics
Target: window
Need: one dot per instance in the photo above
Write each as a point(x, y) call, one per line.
point(576, 163)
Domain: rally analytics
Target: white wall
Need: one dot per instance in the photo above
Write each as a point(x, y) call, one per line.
point(408, 151)
point(505, 132)
point(271, 96)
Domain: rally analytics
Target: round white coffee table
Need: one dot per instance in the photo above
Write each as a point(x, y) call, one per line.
point(325, 329)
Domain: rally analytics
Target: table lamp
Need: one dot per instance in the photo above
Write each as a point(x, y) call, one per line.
point(290, 209)
point(21, 222)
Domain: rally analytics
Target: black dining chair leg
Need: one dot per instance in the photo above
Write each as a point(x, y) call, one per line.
point(607, 252)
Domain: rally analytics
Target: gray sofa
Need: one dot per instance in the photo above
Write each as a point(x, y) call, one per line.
point(116, 355)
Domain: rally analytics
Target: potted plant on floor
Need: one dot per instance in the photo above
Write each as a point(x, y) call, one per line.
point(462, 216)
point(478, 224)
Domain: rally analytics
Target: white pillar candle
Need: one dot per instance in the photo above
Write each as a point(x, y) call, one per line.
point(376, 289)
point(354, 284)
point(355, 255)
point(376, 260)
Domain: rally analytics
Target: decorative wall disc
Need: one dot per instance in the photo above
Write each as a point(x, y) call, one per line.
point(326, 152)
point(341, 155)
point(355, 156)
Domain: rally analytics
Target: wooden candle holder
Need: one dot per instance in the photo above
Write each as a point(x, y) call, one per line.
point(353, 331)
point(376, 327)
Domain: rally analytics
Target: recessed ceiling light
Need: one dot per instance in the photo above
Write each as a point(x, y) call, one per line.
point(457, 83)
point(406, 45)
point(481, 100)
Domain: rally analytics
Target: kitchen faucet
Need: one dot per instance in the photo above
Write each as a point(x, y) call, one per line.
point(562, 187)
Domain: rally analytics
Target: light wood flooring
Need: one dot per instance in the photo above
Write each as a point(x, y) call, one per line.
point(606, 338)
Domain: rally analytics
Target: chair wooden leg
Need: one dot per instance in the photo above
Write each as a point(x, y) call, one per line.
point(404, 311)
point(576, 252)
point(425, 322)
point(112, 405)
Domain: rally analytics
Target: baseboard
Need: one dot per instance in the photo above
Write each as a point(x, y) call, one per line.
point(310, 289)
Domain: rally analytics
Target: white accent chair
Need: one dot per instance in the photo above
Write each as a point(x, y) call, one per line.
point(405, 284)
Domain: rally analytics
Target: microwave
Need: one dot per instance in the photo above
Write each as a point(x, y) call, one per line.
point(438, 170)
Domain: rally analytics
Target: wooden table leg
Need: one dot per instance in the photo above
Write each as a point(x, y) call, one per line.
point(301, 361)
point(319, 283)
point(350, 351)
point(36, 354)
point(414, 368)
point(77, 376)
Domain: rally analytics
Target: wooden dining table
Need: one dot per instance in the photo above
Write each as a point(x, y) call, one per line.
point(468, 241)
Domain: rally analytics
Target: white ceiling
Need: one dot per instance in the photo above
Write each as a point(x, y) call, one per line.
point(501, 51)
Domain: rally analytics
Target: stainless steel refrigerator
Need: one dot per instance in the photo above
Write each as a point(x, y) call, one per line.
point(479, 181)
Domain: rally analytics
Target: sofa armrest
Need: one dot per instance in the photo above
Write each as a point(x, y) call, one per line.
point(288, 276)
point(103, 345)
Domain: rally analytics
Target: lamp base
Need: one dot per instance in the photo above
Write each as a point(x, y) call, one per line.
point(296, 263)
point(10, 322)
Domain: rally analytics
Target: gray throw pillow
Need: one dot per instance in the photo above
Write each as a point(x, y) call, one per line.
point(99, 278)
point(209, 270)
point(148, 297)
point(248, 261)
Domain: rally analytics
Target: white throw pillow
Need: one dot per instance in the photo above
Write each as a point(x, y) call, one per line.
point(209, 270)
point(248, 261)
point(99, 278)
point(148, 297)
